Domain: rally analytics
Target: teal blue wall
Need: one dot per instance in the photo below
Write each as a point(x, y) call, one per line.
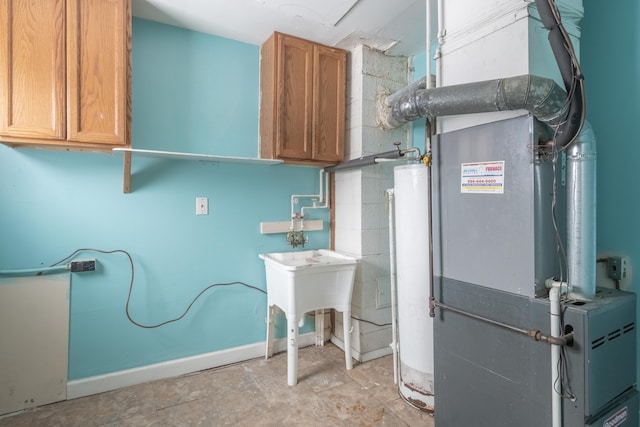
point(191, 92)
point(194, 92)
point(610, 56)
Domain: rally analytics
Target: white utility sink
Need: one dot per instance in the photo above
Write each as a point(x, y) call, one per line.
point(301, 282)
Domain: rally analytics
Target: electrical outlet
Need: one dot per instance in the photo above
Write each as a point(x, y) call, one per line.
point(616, 267)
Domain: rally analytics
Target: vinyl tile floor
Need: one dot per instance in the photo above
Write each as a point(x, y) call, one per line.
point(252, 393)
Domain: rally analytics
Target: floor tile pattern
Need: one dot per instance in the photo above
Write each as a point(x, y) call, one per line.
point(252, 393)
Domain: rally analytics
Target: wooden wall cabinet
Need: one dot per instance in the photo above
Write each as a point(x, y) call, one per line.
point(302, 101)
point(65, 73)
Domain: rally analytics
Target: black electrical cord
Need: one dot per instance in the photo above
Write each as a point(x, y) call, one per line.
point(565, 382)
point(131, 287)
point(570, 128)
point(561, 384)
point(361, 320)
point(563, 263)
point(192, 302)
point(570, 71)
point(370, 322)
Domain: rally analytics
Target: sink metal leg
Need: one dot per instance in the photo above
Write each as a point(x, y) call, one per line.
point(292, 350)
point(270, 331)
point(346, 322)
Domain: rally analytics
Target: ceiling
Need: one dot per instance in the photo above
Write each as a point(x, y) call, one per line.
point(393, 26)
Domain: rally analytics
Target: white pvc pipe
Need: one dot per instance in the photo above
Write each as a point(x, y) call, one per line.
point(555, 310)
point(392, 271)
point(321, 186)
point(441, 33)
point(323, 196)
point(428, 47)
point(556, 398)
point(295, 197)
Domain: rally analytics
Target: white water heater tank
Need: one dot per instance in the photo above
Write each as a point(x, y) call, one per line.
point(415, 327)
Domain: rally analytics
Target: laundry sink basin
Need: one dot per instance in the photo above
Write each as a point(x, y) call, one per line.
point(319, 258)
point(301, 282)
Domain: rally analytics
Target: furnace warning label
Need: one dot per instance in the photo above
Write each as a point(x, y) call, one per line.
point(482, 177)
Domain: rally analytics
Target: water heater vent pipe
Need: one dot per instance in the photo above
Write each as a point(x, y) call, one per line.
point(581, 214)
point(375, 158)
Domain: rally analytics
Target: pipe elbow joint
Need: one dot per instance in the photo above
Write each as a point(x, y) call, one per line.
point(534, 334)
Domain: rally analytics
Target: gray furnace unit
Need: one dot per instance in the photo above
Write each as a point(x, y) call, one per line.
point(495, 244)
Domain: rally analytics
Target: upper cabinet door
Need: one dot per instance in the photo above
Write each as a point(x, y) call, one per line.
point(65, 73)
point(98, 45)
point(32, 69)
point(295, 91)
point(329, 104)
point(302, 101)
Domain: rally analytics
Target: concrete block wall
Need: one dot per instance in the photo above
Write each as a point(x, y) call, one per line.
point(361, 220)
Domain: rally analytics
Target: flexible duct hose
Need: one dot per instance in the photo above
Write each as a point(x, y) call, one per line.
point(540, 96)
point(569, 70)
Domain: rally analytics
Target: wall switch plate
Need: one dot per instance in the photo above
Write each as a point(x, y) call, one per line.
point(202, 206)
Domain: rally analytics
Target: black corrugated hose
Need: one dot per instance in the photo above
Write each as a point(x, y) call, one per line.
point(569, 69)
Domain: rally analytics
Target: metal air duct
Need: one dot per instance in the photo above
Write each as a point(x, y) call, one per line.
point(547, 102)
point(581, 214)
point(540, 96)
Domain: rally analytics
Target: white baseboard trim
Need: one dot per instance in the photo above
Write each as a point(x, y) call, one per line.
point(173, 368)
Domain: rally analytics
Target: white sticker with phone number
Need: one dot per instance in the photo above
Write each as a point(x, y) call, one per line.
point(482, 177)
